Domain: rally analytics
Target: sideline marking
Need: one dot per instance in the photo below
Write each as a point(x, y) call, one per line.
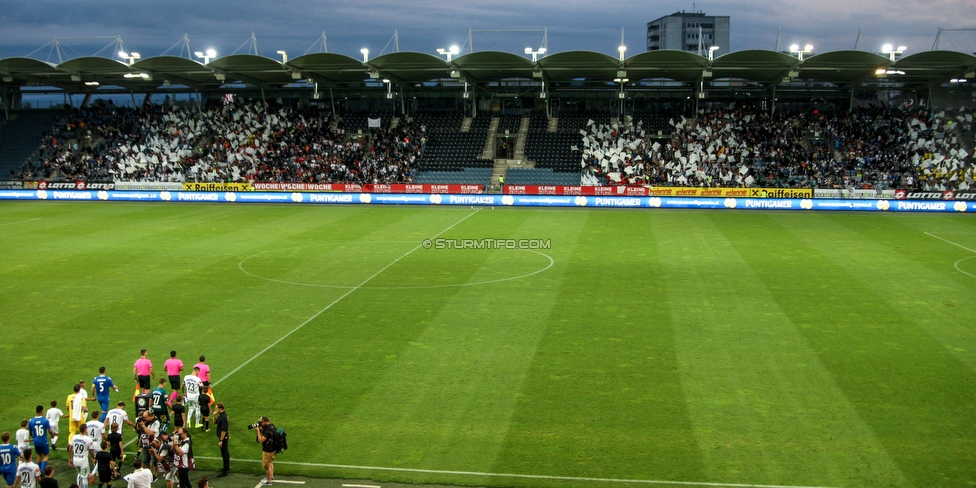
point(240, 266)
point(526, 476)
point(337, 300)
point(19, 221)
point(276, 481)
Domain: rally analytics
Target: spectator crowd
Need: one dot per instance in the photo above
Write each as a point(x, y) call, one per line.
point(235, 142)
point(732, 147)
point(874, 148)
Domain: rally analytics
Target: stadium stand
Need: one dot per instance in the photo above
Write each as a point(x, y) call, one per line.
point(450, 155)
point(20, 137)
point(867, 148)
point(234, 142)
point(541, 176)
point(873, 148)
point(465, 176)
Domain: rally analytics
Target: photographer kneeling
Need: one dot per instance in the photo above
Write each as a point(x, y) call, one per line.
point(265, 435)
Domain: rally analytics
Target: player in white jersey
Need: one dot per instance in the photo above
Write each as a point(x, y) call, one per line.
point(28, 472)
point(193, 386)
point(117, 415)
point(79, 408)
point(53, 417)
point(81, 447)
point(95, 430)
point(23, 436)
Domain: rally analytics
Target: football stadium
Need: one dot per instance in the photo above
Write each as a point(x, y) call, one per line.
point(753, 268)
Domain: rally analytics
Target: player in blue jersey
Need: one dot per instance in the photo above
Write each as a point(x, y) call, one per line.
point(9, 455)
point(158, 404)
point(40, 430)
point(101, 386)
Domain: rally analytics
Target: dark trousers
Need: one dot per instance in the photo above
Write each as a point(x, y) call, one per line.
point(184, 474)
point(225, 455)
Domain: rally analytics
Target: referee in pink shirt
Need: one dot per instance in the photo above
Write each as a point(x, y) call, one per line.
point(173, 366)
point(204, 370)
point(142, 370)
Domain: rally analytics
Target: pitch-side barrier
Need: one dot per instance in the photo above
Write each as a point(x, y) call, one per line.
point(312, 198)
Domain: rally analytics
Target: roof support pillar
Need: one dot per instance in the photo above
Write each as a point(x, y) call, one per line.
point(332, 101)
point(403, 104)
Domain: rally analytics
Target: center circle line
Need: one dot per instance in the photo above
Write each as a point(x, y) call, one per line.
point(240, 266)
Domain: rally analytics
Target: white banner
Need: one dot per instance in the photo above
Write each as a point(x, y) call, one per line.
point(374, 123)
point(853, 194)
point(148, 185)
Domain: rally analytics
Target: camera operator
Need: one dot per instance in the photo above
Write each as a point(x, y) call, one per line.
point(265, 435)
point(162, 452)
point(182, 456)
point(148, 429)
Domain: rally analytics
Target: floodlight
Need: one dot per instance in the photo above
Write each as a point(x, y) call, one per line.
point(206, 55)
point(284, 56)
point(365, 54)
point(131, 56)
point(448, 52)
point(535, 54)
point(795, 49)
point(892, 51)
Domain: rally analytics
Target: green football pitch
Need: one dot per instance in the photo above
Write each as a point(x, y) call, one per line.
point(633, 348)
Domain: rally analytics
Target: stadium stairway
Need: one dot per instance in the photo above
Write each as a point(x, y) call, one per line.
point(489, 150)
point(21, 135)
point(523, 134)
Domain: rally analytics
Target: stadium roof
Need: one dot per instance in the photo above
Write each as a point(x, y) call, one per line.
point(404, 68)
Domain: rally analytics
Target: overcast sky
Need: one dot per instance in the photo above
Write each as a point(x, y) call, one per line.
point(425, 25)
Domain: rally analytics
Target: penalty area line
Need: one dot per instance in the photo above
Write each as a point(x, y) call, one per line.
point(956, 264)
point(950, 242)
point(337, 300)
point(524, 476)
